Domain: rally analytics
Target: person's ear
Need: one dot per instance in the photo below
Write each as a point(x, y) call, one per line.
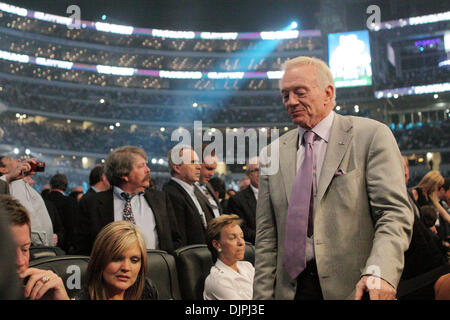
point(216, 245)
point(329, 93)
point(177, 168)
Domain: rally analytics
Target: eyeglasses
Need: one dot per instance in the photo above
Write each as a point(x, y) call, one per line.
point(253, 170)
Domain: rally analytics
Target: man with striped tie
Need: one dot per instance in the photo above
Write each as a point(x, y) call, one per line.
point(129, 199)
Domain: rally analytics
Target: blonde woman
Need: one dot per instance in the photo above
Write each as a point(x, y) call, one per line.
point(426, 192)
point(230, 278)
point(118, 265)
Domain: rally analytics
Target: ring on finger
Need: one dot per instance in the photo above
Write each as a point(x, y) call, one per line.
point(45, 279)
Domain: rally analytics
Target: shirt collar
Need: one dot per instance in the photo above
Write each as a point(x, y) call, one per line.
point(186, 186)
point(221, 265)
point(255, 190)
point(118, 192)
point(322, 129)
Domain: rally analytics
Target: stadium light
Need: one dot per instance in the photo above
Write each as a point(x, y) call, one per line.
point(104, 17)
point(293, 25)
point(16, 150)
point(27, 152)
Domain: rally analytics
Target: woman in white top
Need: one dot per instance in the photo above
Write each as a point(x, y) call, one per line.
point(230, 278)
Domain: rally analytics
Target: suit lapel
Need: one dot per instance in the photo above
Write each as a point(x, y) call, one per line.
point(106, 209)
point(340, 138)
point(213, 193)
point(251, 200)
point(185, 195)
point(154, 203)
point(288, 160)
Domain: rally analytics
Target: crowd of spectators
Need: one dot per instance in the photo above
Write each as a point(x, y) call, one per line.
point(129, 97)
point(411, 78)
point(30, 99)
point(101, 139)
point(138, 82)
point(110, 57)
point(429, 136)
point(29, 25)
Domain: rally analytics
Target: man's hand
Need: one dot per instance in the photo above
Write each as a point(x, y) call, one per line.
point(43, 284)
point(20, 170)
point(381, 291)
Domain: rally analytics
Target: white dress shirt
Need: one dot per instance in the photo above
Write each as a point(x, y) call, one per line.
point(143, 216)
point(41, 224)
point(323, 131)
point(212, 202)
point(255, 191)
point(224, 283)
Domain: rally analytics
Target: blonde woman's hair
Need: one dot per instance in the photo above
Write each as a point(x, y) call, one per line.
point(430, 181)
point(215, 227)
point(112, 241)
point(323, 73)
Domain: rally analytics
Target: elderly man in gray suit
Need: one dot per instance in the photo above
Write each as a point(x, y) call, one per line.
point(334, 220)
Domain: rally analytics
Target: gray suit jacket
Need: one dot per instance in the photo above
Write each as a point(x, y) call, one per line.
point(362, 221)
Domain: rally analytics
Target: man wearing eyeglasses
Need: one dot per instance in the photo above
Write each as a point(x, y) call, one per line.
point(244, 202)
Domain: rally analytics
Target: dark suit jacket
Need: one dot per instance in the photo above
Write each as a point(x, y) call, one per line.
point(213, 194)
point(97, 210)
point(58, 226)
point(243, 204)
point(4, 187)
point(90, 191)
point(187, 214)
point(68, 210)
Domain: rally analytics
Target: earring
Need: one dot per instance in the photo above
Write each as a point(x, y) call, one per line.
point(219, 250)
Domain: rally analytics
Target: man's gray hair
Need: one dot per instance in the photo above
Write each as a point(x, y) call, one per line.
point(323, 72)
point(120, 162)
point(173, 153)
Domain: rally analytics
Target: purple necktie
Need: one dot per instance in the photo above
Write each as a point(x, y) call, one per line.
point(299, 217)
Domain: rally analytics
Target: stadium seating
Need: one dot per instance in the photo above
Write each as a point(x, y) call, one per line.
point(163, 273)
point(39, 252)
point(194, 263)
point(176, 277)
point(72, 270)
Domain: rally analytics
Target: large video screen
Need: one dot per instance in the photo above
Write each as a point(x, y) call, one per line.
point(349, 58)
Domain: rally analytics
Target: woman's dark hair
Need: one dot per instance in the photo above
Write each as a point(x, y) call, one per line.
point(429, 215)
